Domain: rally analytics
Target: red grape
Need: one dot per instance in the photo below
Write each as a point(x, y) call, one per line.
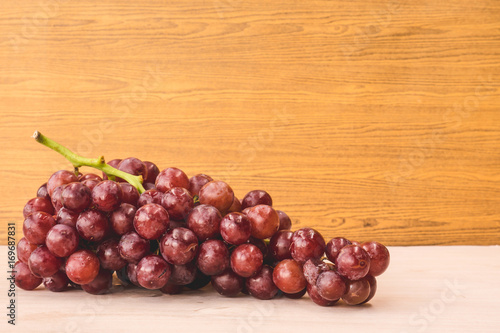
point(130, 194)
point(306, 244)
point(59, 178)
point(109, 255)
point(67, 217)
point(151, 221)
point(134, 166)
point(122, 219)
point(150, 196)
point(101, 284)
point(235, 206)
point(183, 274)
point(256, 197)
point(279, 245)
point(353, 262)
point(107, 195)
point(379, 257)
point(289, 277)
point(204, 221)
point(261, 285)
point(57, 282)
point(93, 225)
point(246, 260)
point(42, 192)
point(217, 194)
point(170, 178)
point(313, 293)
point(152, 172)
point(133, 247)
point(82, 266)
point(36, 226)
point(178, 202)
point(334, 246)
point(331, 286)
point(24, 278)
point(357, 292)
point(43, 263)
point(265, 221)
point(197, 182)
point(56, 198)
point(38, 205)
point(213, 257)
point(24, 249)
point(153, 272)
point(228, 283)
point(285, 222)
point(235, 228)
point(179, 246)
point(62, 240)
point(76, 197)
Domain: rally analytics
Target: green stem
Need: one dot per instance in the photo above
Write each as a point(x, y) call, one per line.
point(97, 163)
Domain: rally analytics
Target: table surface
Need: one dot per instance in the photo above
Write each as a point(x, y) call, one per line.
point(426, 289)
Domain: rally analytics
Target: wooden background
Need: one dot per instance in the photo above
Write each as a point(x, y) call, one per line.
point(368, 119)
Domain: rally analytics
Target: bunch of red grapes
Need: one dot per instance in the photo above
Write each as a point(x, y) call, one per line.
point(183, 233)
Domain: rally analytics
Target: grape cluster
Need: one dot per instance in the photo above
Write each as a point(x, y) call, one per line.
point(183, 233)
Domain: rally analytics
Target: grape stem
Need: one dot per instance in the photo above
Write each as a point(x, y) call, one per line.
point(97, 163)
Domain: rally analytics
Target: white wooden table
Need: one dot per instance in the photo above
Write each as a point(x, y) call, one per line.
point(426, 289)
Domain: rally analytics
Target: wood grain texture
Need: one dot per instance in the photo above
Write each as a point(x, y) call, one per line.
point(367, 119)
point(446, 295)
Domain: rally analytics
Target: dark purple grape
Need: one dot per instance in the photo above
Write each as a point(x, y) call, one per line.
point(38, 205)
point(57, 282)
point(228, 283)
point(133, 247)
point(334, 246)
point(331, 286)
point(200, 281)
point(107, 195)
point(123, 276)
point(43, 263)
point(379, 257)
point(204, 221)
point(246, 260)
point(171, 289)
point(373, 287)
point(149, 186)
point(178, 202)
point(24, 249)
point(235, 228)
point(42, 192)
point(353, 262)
point(235, 206)
point(279, 245)
point(36, 226)
point(153, 272)
point(56, 198)
point(82, 267)
point(67, 217)
point(150, 196)
point(62, 240)
point(24, 278)
point(122, 219)
point(217, 194)
point(357, 292)
point(314, 295)
point(101, 284)
point(289, 277)
point(152, 172)
point(93, 225)
point(307, 244)
point(132, 274)
point(89, 176)
point(113, 163)
point(256, 197)
point(76, 197)
point(213, 257)
point(264, 219)
point(169, 178)
point(61, 177)
point(179, 246)
point(183, 274)
point(109, 255)
point(285, 222)
point(130, 194)
point(296, 295)
point(261, 285)
point(134, 166)
point(151, 221)
point(197, 182)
